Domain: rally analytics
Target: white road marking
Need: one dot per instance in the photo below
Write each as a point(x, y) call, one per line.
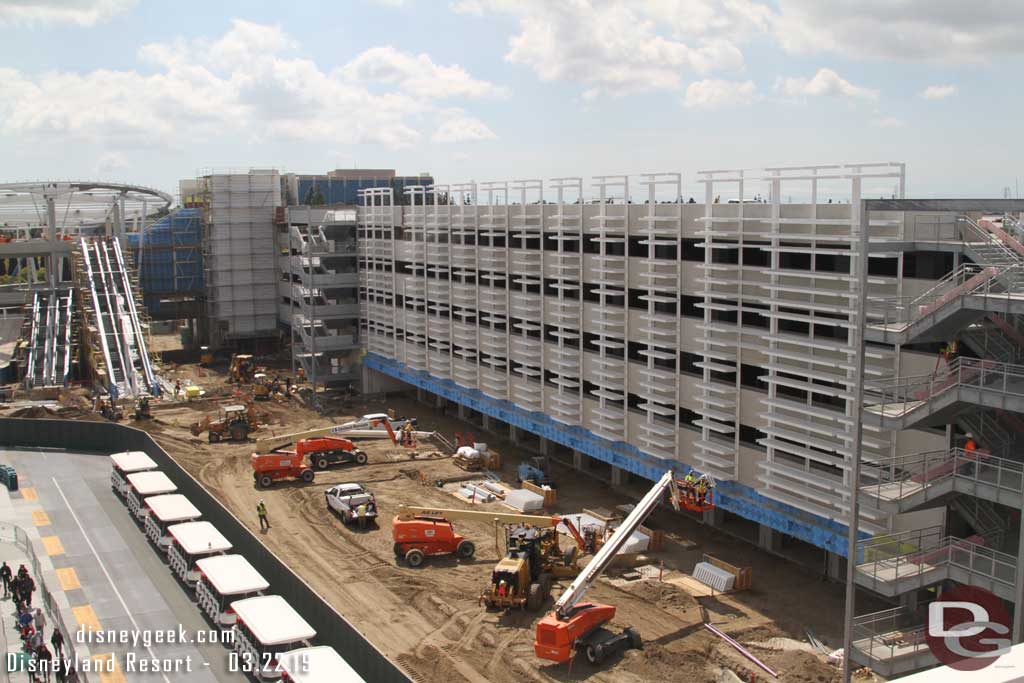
point(105, 572)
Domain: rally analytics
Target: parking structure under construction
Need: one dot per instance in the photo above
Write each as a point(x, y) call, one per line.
point(852, 354)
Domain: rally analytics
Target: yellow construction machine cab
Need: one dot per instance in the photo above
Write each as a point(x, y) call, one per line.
point(521, 579)
point(242, 368)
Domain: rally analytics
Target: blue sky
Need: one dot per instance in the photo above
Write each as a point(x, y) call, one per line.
point(150, 92)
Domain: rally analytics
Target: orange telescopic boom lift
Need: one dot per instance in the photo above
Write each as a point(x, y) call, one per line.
point(576, 625)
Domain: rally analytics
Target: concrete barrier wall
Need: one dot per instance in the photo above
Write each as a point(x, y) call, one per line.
point(105, 438)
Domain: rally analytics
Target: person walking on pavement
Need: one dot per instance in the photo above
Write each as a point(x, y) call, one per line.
point(45, 662)
point(28, 587)
point(57, 641)
point(40, 620)
point(5, 576)
point(261, 512)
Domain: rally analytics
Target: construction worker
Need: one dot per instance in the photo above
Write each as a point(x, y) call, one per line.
point(301, 374)
point(502, 588)
point(177, 389)
point(970, 446)
point(361, 514)
point(702, 490)
point(407, 436)
point(688, 483)
point(970, 453)
point(261, 512)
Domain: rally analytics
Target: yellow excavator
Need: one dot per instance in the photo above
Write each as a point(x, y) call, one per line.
point(533, 558)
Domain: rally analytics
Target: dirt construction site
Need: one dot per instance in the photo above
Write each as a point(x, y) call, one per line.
point(429, 619)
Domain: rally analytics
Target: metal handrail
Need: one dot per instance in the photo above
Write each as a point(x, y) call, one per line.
point(968, 280)
point(917, 552)
point(891, 628)
point(992, 375)
point(916, 472)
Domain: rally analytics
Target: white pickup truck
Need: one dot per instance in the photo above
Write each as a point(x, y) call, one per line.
point(345, 499)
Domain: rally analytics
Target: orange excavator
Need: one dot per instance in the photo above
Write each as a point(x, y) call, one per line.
point(575, 625)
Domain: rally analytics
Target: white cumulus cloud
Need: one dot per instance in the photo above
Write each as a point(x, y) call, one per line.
point(81, 12)
point(251, 84)
point(938, 92)
point(824, 82)
point(616, 48)
point(459, 127)
point(931, 30)
point(418, 74)
point(714, 93)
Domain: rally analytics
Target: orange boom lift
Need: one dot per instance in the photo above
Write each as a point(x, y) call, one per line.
point(576, 625)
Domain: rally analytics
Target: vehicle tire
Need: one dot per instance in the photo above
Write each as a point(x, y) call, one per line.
point(265, 481)
point(635, 641)
point(569, 556)
point(414, 558)
point(595, 653)
point(466, 549)
point(398, 550)
point(322, 463)
point(546, 581)
point(214, 437)
point(535, 598)
point(307, 476)
point(361, 458)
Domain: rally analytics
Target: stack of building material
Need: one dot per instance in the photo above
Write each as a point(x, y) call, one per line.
point(712, 576)
point(524, 501)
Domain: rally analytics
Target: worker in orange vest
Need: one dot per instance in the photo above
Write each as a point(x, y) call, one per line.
point(971, 445)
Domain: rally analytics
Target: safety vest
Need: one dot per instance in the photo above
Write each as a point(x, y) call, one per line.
point(261, 510)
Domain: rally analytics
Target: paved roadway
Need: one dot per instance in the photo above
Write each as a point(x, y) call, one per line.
point(100, 567)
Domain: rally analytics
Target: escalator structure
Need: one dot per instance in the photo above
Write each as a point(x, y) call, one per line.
point(50, 337)
point(123, 359)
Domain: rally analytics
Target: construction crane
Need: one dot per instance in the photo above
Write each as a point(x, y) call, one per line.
point(575, 625)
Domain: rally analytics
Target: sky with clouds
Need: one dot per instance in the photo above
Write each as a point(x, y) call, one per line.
point(150, 92)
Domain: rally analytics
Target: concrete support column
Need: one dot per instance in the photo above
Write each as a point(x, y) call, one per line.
point(486, 419)
point(543, 446)
point(513, 434)
point(439, 402)
point(909, 601)
point(834, 566)
point(577, 460)
point(420, 395)
point(712, 517)
point(617, 476)
point(767, 538)
point(462, 412)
